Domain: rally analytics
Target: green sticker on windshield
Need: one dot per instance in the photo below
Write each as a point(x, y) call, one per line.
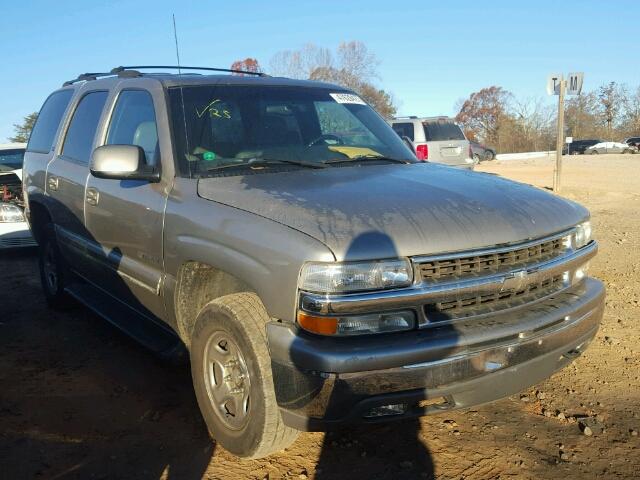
point(208, 156)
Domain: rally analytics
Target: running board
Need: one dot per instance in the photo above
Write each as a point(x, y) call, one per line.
point(142, 329)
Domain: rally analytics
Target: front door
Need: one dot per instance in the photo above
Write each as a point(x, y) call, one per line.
point(125, 217)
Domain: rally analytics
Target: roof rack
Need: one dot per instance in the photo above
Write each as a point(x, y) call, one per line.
point(85, 77)
point(132, 71)
point(118, 70)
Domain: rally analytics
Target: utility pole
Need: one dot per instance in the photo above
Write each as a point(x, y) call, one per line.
point(560, 139)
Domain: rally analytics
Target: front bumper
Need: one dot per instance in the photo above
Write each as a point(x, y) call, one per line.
point(16, 234)
point(324, 382)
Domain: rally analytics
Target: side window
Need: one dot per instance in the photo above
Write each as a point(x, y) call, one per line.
point(82, 129)
point(44, 131)
point(133, 122)
point(404, 130)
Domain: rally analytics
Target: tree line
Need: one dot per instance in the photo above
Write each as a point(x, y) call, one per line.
point(495, 116)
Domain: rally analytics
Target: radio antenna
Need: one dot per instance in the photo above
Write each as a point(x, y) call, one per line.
point(184, 113)
point(175, 37)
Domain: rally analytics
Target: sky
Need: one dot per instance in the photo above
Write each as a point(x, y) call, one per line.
point(431, 53)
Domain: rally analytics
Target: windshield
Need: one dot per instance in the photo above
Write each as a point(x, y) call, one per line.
point(11, 159)
point(281, 127)
point(442, 130)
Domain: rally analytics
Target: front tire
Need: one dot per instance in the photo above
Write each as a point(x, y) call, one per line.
point(232, 378)
point(594, 152)
point(54, 273)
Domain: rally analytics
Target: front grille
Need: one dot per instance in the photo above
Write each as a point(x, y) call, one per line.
point(482, 303)
point(489, 263)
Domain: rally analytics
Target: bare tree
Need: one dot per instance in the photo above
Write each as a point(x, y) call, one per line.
point(610, 96)
point(631, 115)
point(354, 67)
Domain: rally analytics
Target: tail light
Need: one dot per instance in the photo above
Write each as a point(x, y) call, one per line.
point(422, 152)
point(470, 152)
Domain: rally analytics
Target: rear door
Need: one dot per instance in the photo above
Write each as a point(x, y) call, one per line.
point(446, 141)
point(67, 176)
point(125, 217)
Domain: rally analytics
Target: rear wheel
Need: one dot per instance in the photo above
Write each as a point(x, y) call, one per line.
point(231, 370)
point(53, 271)
point(476, 158)
point(594, 152)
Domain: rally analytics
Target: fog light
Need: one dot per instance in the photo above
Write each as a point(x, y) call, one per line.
point(386, 410)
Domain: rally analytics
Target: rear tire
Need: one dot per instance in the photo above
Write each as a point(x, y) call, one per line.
point(594, 152)
point(54, 273)
point(476, 158)
point(232, 378)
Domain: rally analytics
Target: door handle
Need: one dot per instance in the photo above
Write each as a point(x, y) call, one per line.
point(52, 183)
point(92, 196)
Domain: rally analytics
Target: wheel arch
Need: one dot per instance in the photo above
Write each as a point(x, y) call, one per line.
point(38, 217)
point(198, 284)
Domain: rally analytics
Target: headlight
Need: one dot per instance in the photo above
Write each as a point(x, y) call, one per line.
point(10, 213)
point(355, 276)
point(582, 235)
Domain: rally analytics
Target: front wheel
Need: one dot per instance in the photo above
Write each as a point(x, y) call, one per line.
point(594, 152)
point(232, 378)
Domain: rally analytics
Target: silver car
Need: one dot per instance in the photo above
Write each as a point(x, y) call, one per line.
point(610, 147)
point(436, 139)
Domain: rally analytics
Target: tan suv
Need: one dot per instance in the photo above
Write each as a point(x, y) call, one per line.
point(436, 139)
point(279, 234)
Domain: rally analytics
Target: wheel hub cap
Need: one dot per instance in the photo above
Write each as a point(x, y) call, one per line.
point(227, 380)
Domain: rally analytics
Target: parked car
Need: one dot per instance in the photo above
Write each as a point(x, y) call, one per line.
point(481, 152)
point(610, 147)
point(14, 230)
point(436, 139)
point(577, 147)
point(632, 141)
point(314, 279)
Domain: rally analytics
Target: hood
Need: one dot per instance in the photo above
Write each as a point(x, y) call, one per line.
point(385, 211)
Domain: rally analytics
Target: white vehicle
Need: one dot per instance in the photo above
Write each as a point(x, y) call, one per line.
point(14, 230)
point(610, 147)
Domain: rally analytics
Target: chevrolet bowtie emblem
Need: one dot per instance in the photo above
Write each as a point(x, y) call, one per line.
point(515, 281)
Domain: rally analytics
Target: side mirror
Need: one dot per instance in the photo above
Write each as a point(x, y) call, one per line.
point(122, 162)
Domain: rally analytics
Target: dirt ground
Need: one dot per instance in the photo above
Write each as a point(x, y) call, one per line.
point(80, 400)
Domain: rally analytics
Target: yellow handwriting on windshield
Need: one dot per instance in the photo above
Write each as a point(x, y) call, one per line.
point(213, 112)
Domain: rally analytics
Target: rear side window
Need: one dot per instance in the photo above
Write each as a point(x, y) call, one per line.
point(134, 123)
point(437, 131)
point(44, 131)
point(404, 130)
point(82, 129)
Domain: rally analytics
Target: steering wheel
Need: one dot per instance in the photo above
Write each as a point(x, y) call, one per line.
point(323, 138)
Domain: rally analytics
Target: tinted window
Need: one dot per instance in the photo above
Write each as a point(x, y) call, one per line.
point(436, 131)
point(227, 128)
point(82, 129)
point(404, 130)
point(134, 123)
point(11, 159)
point(44, 131)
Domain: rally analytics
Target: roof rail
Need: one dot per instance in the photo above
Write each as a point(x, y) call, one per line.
point(406, 116)
point(118, 70)
point(85, 77)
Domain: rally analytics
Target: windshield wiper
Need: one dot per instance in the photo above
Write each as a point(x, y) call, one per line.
point(366, 158)
point(263, 162)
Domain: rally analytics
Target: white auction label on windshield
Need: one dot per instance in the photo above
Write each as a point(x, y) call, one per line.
point(347, 98)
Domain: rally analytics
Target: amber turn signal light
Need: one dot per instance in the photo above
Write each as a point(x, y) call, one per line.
point(321, 325)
